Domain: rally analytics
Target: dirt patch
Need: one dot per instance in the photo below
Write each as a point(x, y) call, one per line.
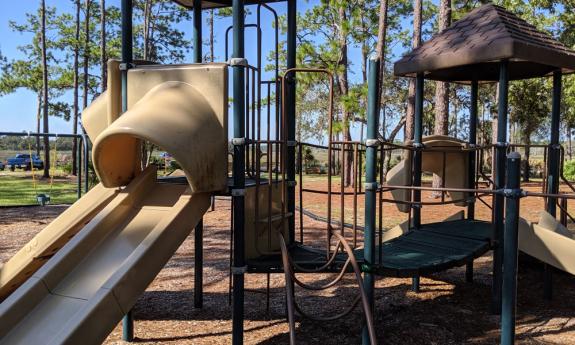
point(446, 311)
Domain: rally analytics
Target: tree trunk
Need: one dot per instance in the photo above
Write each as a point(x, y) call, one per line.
point(103, 57)
point(149, 54)
point(344, 88)
point(147, 15)
point(86, 53)
point(526, 167)
point(442, 93)
point(38, 118)
point(415, 42)
point(392, 135)
point(211, 24)
point(494, 117)
point(75, 105)
point(381, 45)
point(45, 93)
point(569, 143)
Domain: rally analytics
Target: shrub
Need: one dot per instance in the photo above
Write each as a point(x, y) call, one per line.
point(67, 167)
point(569, 170)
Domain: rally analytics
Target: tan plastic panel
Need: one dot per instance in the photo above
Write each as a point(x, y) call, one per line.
point(181, 109)
point(546, 245)
point(107, 107)
point(258, 240)
point(456, 169)
point(92, 282)
point(47, 242)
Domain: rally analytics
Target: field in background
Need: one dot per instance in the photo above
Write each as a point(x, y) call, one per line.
point(18, 188)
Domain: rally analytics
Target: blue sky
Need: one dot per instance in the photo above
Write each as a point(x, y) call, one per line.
point(18, 110)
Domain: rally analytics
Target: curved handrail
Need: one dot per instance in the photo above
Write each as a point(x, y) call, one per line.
point(290, 278)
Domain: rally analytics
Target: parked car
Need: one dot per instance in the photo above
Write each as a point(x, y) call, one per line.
point(22, 161)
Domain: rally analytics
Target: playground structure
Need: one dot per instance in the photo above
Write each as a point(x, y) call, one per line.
point(83, 273)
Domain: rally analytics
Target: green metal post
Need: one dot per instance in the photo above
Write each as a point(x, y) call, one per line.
point(127, 58)
point(472, 160)
point(199, 265)
point(499, 200)
point(553, 164)
point(239, 178)
point(472, 144)
point(197, 35)
point(290, 114)
point(199, 230)
point(509, 295)
point(417, 158)
point(371, 184)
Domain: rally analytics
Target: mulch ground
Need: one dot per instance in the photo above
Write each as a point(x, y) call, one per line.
point(446, 311)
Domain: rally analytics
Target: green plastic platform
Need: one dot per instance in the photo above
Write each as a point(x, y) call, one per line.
point(433, 248)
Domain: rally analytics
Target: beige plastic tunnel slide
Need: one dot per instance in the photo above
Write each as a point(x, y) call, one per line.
point(454, 175)
point(548, 241)
point(132, 223)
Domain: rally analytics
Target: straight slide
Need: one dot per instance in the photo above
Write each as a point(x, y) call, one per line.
point(48, 241)
point(81, 294)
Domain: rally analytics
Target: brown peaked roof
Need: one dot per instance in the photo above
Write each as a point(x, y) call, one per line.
point(473, 46)
point(219, 3)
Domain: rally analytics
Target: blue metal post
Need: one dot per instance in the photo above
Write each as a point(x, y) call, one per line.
point(509, 293)
point(239, 178)
point(127, 56)
point(553, 164)
point(417, 158)
point(371, 184)
point(499, 200)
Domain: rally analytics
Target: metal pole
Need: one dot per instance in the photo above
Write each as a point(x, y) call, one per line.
point(509, 298)
point(417, 158)
point(290, 114)
point(238, 269)
point(553, 164)
point(472, 143)
point(499, 200)
point(198, 265)
point(127, 56)
point(199, 230)
point(472, 160)
point(371, 184)
point(418, 145)
point(197, 34)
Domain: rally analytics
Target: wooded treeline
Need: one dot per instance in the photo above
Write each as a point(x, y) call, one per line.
point(69, 48)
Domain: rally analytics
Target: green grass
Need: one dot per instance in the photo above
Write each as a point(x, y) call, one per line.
point(17, 188)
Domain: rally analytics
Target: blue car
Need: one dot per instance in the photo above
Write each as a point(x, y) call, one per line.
point(23, 161)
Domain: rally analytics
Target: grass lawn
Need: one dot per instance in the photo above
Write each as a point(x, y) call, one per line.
point(17, 188)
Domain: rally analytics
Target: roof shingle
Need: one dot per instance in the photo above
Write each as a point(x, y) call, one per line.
point(472, 47)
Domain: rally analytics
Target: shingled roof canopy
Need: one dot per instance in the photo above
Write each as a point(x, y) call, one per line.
point(472, 47)
point(219, 3)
